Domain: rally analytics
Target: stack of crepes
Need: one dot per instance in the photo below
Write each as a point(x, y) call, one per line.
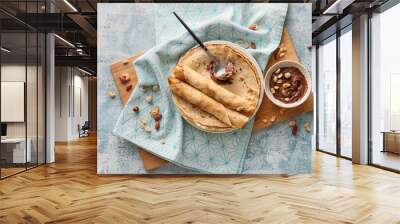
point(205, 94)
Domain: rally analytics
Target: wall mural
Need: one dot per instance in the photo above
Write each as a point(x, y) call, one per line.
point(230, 93)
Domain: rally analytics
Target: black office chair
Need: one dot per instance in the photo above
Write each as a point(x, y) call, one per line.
point(84, 130)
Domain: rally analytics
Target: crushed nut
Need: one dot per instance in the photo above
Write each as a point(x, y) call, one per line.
point(157, 125)
point(275, 79)
point(154, 111)
point(292, 123)
point(276, 87)
point(279, 81)
point(253, 26)
point(124, 78)
point(149, 98)
point(286, 85)
point(272, 119)
point(307, 127)
point(280, 75)
point(128, 88)
point(287, 99)
point(253, 45)
point(155, 88)
point(111, 94)
point(278, 71)
point(282, 49)
point(272, 90)
point(135, 109)
point(282, 54)
point(143, 89)
point(287, 75)
point(147, 129)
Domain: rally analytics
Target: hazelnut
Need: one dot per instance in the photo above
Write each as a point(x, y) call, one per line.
point(155, 88)
point(272, 90)
point(111, 94)
point(287, 75)
point(286, 85)
point(278, 71)
point(280, 75)
point(282, 49)
point(279, 81)
point(149, 98)
point(135, 109)
point(282, 54)
point(275, 79)
point(143, 121)
point(273, 119)
point(253, 26)
point(307, 127)
point(143, 89)
point(128, 88)
point(157, 125)
point(292, 123)
point(276, 87)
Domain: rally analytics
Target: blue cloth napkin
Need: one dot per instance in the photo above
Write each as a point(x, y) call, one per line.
point(177, 141)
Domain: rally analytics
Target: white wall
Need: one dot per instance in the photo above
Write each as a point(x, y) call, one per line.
point(70, 83)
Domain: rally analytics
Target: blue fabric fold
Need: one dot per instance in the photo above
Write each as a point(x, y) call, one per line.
point(177, 141)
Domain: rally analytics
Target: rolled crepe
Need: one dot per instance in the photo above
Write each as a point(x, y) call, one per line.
point(213, 90)
point(207, 104)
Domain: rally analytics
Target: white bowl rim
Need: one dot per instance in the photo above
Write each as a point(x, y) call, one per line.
point(287, 63)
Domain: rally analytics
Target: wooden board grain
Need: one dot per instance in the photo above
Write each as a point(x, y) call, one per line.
point(126, 67)
point(269, 110)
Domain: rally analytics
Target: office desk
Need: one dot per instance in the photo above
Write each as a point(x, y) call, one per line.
point(13, 150)
point(391, 141)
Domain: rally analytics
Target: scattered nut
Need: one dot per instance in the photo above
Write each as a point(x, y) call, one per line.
point(280, 75)
point(278, 71)
point(275, 79)
point(253, 45)
point(143, 89)
point(292, 123)
point(307, 127)
point(282, 54)
point(135, 109)
point(282, 49)
point(276, 87)
point(143, 120)
point(149, 98)
point(287, 99)
point(155, 88)
point(272, 90)
point(154, 111)
point(286, 85)
point(147, 129)
point(287, 75)
point(128, 88)
point(157, 125)
point(253, 26)
point(279, 81)
point(272, 119)
point(111, 94)
point(265, 120)
point(124, 78)
point(157, 117)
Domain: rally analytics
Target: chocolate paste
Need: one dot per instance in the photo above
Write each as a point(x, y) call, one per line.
point(288, 84)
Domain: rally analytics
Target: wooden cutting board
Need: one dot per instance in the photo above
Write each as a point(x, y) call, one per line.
point(267, 109)
point(126, 67)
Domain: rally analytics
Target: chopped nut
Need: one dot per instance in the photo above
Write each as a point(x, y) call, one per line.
point(147, 129)
point(278, 71)
point(280, 75)
point(143, 120)
point(287, 99)
point(286, 85)
point(307, 127)
point(111, 94)
point(155, 88)
point(282, 54)
point(276, 87)
point(282, 49)
point(292, 123)
point(287, 75)
point(279, 81)
point(143, 89)
point(157, 125)
point(149, 98)
point(272, 90)
point(253, 45)
point(135, 109)
point(253, 26)
point(154, 111)
point(272, 119)
point(265, 120)
point(128, 88)
point(124, 78)
point(275, 79)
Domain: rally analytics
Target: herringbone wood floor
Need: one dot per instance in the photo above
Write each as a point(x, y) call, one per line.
point(70, 191)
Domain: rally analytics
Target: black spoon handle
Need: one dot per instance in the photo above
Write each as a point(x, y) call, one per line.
point(191, 32)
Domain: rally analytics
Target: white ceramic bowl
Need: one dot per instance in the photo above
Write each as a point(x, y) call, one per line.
point(284, 64)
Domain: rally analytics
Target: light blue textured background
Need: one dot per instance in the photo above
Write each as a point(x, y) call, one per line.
point(272, 150)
